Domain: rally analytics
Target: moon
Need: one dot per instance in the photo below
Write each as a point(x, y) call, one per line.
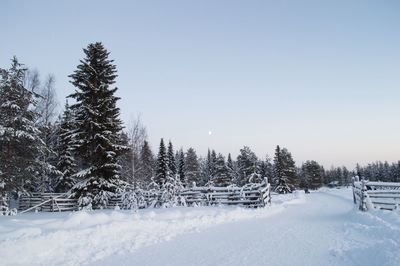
point(209, 132)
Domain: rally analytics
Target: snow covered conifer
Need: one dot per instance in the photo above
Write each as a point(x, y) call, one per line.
point(232, 169)
point(181, 167)
point(97, 125)
point(313, 174)
point(247, 165)
point(212, 162)
point(162, 165)
point(20, 140)
point(229, 162)
point(289, 169)
point(66, 161)
point(171, 159)
point(210, 165)
point(280, 178)
point(221, 176)
point(266, 168)
point(192, 168)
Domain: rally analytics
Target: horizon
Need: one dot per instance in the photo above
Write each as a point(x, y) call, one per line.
point(321, 79)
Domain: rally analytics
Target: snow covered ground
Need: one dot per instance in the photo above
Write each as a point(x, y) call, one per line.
point(321, 228)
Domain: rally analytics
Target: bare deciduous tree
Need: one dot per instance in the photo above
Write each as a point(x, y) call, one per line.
point(137, 134)
point(48, 104)
point(32, 80)
point(46, 107)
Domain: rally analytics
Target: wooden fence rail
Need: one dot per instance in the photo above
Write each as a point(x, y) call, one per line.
point(376, 195)
point(251, 195)
point(47, 202)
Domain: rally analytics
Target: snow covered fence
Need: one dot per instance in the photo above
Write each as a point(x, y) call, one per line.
point(376, 195)
point(47, 202)
point(250, 195)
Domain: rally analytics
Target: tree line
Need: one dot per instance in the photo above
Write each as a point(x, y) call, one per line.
point(86, 150)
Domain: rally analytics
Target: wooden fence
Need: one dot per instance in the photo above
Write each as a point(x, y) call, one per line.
point(251, 195)
point(49, 202)
point(376, 195)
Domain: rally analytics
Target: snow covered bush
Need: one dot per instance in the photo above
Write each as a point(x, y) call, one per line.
point(153, 193)
point(85, 203)
point(171, 192)
point(133, 199)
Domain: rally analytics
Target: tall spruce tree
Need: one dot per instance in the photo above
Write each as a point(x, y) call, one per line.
point(289, 169)
point(162, 165)
point(192, 168)
point(66, 161)
point(181, 167)
point(212, 163)
point(207, 168)
point(280, 179)
point(171, 159)
point(98, 126)
point(20, 141)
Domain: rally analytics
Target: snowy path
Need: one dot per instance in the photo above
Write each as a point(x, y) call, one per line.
point(317, 229)
point(325, 230)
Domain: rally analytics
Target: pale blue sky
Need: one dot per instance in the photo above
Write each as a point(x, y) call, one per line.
point(321, 78)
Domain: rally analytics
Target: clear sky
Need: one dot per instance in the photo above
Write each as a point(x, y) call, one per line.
point(321, 78)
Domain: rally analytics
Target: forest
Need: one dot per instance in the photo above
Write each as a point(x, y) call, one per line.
point(87, 151)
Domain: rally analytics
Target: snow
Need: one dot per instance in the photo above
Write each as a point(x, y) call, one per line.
point(321, 228)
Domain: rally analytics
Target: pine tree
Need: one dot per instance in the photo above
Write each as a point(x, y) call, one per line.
point(289, 169)
point(20, 141)
point(229, 162)
point(280, 179)
point(313, 174)
point(208, 168)
point(232, 169)
point(171, 160)
point(66, 164)
point(247, 165)
point(181, 167)
point(170, 190)
point(347, 177)
point(266, 168)
point(192, 168)
point(98, 126)
point(212, 163)
point(146, 166)
point(221, 176)
point(162, 165)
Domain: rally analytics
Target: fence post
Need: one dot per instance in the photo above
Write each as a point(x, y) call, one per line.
point(261, 196)
point(354, 193)
point(363, 203)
